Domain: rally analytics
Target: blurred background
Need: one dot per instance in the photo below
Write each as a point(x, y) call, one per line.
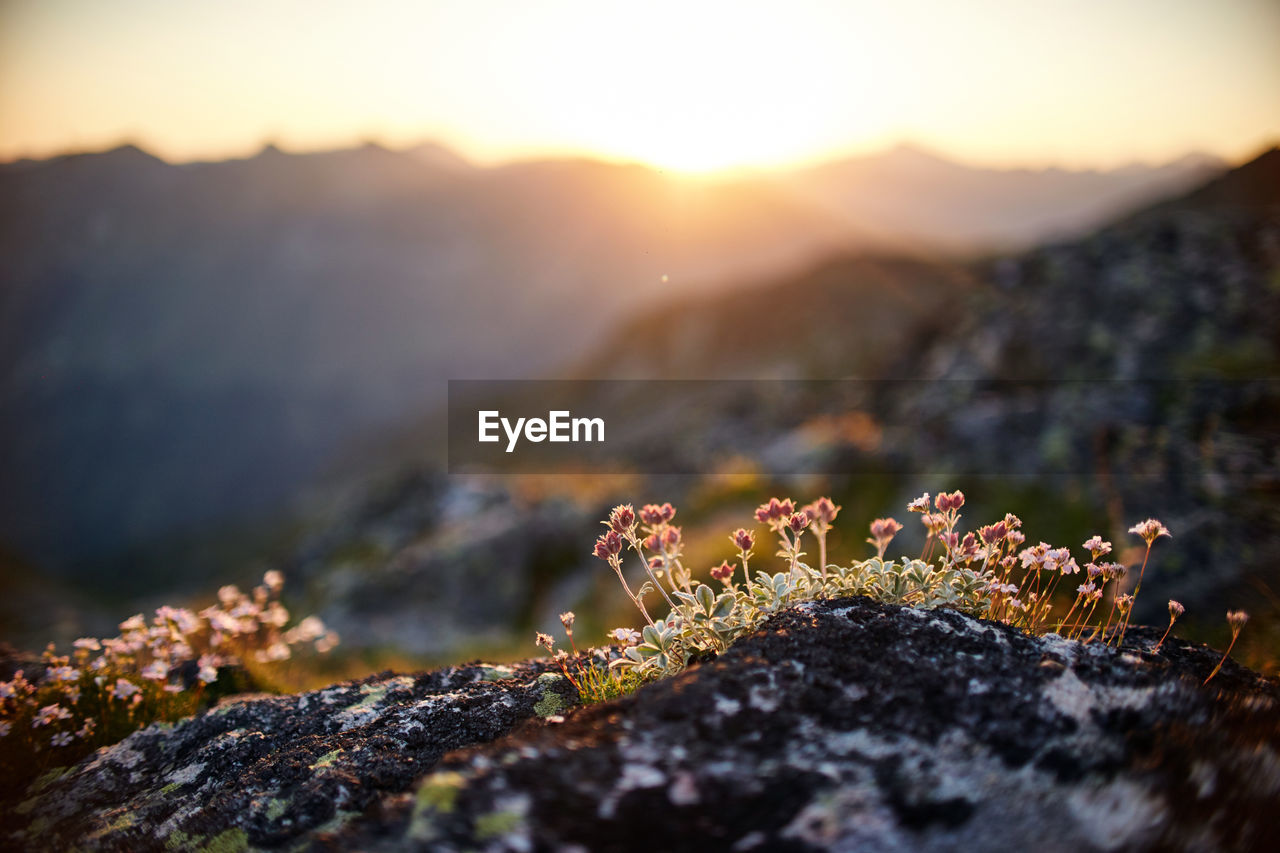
point(245, 245)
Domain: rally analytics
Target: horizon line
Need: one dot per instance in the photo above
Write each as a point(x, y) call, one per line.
point(551, 155)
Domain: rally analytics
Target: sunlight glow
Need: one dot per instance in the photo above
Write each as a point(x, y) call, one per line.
point(707, 85)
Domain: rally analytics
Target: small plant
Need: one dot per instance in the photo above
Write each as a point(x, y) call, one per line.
point(591, 675)
point(988, 573)
point(165, 670)
point(1236, 620)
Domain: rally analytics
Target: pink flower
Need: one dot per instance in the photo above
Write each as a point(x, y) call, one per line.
point(920, 504)
point(882, 532)
point(798, 522)
point(722, 572)
point(744, 539)
point(608, 545)
point(155, 671)
point(622, 518)
point(50, 714)
point(1098, 548)
point(1150, 530)
point(948, 502)
point(823, 510)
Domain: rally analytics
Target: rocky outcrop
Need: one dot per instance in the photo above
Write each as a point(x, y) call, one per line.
point(840, 725)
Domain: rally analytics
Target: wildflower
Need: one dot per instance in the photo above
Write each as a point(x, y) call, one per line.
point(625, 636)
point(744, 539)
point(671, 538)
point(882, 532)
point(545, 641)
point(1235, 619)
point(722, 572)
point(207, 674)
point(1086, 588)
point(228, 595)
point(1124, 602)
point(1150, 530)
point(622, 518)
point(62, 673)
point(653, 515)
point(124, 689)
point(50, 714)
point(7, 690)
point(327, 643)
point(949, 502)
point(1093, 570)
point(1011, 521)
point(61, 739)
point(86, 730)
point(155, 671)
point(608, 545)
point(133, 623)
point(1015, 537)
point(277, 651)
point(823, 510)
point(1175, 610)
point(993, 533)
point(935, 523)
point(798, 522)
point(5, 727)
point(89, 644)
point(1034, 557)
point(1096, 547)
point(920, 504)
point(274, 580)
point(775, 513)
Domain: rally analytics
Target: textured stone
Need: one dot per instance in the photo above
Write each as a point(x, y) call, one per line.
point(845, 725)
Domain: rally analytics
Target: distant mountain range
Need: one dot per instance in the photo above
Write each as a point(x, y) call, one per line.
point(189, 345)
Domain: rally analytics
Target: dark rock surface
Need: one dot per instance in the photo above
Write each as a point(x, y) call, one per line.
point(841, 725)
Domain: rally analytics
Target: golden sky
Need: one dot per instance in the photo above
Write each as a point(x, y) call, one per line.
point(693, 85)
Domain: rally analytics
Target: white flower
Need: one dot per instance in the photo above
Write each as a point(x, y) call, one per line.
point(49, 714)
point(124, 689)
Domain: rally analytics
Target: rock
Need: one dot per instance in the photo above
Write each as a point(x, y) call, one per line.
point(844, 725)
point(269, 770)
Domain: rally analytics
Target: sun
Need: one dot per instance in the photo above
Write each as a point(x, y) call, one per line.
point(696, 87)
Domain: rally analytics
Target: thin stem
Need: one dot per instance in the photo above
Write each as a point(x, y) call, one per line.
point(635, 546)
point(1224, 658)
point(1137, 589)
point(1163, 638)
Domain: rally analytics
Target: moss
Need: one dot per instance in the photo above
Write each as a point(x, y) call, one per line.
point(179, 840)
point(438, 794)
point(231, 841)
point(276, 809)
point(48, 778)
point(170, 788)
point(550, 703)
point(495, 825)
point(327, 759)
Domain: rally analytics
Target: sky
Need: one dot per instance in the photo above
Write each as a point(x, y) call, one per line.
point(697, 85)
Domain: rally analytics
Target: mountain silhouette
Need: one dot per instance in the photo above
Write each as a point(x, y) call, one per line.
point(189, 345)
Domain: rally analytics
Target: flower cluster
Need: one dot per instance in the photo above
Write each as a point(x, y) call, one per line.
point(991, 573)
point(156, 670)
